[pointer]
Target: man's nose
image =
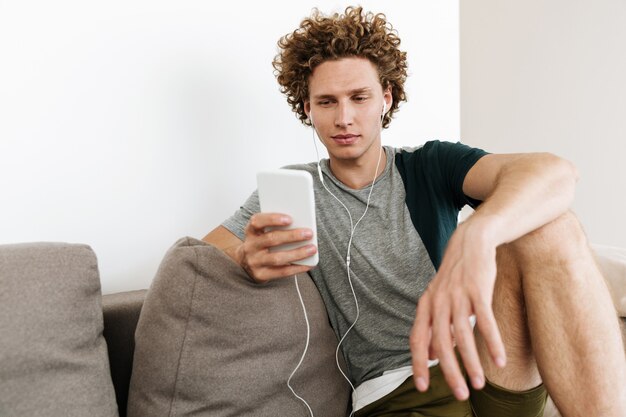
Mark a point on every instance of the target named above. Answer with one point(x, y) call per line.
point(344, 115)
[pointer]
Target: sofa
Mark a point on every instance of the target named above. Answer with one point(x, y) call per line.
point(173, 350)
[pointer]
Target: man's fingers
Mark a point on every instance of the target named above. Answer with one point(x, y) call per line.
point(262, 262)
point(466, 346)
point(442, 345)
point(260, 221)
point(431, 353)
point(281, 237)
point(260, 238)
point(264, 275)
point(419, 343)
point(488, 327)
point(282, 258)
point(265, 231)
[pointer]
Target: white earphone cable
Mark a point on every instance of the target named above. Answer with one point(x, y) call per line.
point(306, 346)
point(352, 230)
point(356, 302)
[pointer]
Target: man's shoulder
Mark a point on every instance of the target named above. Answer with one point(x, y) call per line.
point(437, 150)
point(309, 167)
point(411, 154)
point(431, 145)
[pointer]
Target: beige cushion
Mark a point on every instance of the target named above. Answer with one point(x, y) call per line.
point(53, 358)
point(210, 342)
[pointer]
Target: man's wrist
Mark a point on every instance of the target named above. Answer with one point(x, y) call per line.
point(235, 253)
point(238, 255)
point(487, 228)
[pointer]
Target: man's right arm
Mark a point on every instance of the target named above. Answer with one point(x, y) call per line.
point(253, 253)
point(224, 240)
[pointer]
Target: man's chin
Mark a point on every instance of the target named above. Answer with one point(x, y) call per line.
point(346, 154)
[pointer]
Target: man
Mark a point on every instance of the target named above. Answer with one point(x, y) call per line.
point(520, 264)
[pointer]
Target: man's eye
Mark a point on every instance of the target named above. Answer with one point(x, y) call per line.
point(360, 98)
point(324, 103)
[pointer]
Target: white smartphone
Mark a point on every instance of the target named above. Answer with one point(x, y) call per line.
point(290, 191)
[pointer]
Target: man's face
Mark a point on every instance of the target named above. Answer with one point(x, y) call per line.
point(346, 104)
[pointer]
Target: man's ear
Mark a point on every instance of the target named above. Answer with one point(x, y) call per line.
point(388, 97)
point(307, 110)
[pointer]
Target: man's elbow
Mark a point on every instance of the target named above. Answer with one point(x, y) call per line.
point(570, 171)
point(565, 173)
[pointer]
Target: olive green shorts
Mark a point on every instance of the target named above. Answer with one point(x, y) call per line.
point(438, 401)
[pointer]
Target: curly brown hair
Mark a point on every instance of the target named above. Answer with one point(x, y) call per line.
point(353, 34)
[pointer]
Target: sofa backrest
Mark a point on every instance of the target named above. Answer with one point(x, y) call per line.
point(121, 312)
point(53, 356)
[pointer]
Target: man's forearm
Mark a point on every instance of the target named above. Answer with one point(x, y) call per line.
point(226, 241)
point(530, 191)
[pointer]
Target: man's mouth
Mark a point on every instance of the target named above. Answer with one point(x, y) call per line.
point(346, 139)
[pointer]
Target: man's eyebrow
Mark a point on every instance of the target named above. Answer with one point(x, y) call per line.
point(361, 90)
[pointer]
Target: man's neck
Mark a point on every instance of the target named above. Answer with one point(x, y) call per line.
point(360, 173)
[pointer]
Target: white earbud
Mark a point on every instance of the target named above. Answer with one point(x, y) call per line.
point(319, 168)
point(382, 116)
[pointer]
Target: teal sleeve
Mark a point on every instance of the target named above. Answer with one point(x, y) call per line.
point(453, 161)
point(433, 178)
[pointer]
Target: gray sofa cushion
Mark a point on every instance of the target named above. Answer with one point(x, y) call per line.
point(53, 357)
point(210, 342)
point(121, 312)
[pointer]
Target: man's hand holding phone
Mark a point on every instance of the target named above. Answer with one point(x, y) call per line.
point(281, 241)
point(266, 231)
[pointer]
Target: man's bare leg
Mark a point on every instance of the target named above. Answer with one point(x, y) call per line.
point(557, 320)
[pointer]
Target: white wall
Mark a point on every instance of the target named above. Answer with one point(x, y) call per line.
point(551, 75)
point(126, 125)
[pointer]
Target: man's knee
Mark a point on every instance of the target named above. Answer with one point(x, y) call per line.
point(559, 241)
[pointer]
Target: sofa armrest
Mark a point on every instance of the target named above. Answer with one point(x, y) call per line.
point(121, 312)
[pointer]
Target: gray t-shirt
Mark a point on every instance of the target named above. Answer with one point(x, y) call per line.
point(390, 266)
